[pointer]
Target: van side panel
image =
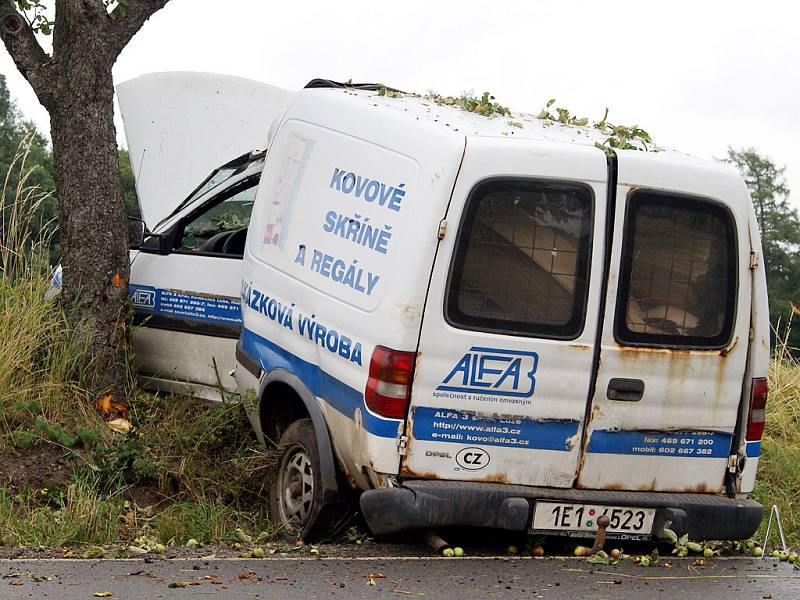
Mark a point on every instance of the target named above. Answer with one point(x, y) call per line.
point(758, 358)
point(338, 256)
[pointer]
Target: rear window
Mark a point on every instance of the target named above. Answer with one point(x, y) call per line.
point(678, 283)
point(521, 260)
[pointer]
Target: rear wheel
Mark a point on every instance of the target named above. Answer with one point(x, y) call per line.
point(295, 493)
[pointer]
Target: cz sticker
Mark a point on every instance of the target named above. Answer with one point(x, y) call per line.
point(472, 459)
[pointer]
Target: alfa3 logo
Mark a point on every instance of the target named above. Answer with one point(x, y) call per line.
point(143, 298)
point(493, 372)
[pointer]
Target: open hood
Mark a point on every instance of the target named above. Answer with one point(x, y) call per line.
point(181, 126)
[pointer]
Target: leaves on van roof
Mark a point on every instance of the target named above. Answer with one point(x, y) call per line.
point(485, 105)
point(621, 137)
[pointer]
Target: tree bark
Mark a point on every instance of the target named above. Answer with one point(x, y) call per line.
point(93, 221)
point(76, 87)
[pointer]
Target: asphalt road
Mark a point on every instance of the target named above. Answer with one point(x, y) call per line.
point(463, 579)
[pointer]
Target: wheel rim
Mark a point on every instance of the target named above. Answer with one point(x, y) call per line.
point(296, 489)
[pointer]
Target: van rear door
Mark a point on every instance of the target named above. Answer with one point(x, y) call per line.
point(675, 332)
point(505, 356)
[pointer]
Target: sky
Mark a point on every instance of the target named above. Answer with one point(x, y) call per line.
point(699, 76)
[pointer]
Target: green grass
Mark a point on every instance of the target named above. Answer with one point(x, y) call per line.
point(186, 470)
point(75, 515)
point(82, 515)
point(778, 480)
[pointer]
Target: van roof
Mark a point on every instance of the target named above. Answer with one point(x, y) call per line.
point(662, 167)
point(521, 126)
point(518, 125)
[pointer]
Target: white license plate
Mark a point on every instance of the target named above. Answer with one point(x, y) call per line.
point(561, 516)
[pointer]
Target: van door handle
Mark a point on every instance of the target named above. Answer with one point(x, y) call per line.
point(626, 390)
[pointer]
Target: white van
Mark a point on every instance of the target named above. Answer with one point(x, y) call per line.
point(473, 321)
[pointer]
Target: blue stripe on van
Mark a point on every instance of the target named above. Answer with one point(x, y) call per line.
point(447, 425)
point(681, 444)
point(149, 300)
point(752, 449)
point(334, 392)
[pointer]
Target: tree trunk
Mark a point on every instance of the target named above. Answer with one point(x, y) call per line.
point(93, 221)
point(76, 87)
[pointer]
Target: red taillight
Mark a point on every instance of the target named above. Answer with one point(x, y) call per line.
point(389, 383)
point(758, 408)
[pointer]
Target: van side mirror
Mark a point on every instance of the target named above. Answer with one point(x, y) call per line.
point(136, 232)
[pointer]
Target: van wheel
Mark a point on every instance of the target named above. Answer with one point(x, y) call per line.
point(294, 498)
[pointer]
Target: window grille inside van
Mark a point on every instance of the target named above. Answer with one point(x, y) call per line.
point(678, 284)
point(521, 259)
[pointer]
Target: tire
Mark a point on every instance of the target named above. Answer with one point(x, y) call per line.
point(295, 501)
point(294, 497)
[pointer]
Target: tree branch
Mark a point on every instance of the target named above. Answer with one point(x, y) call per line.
point(127, 21)
point(24, 48)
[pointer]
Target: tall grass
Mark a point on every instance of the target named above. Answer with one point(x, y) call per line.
point(40, 363)
point(78, 516)
point(778, 479)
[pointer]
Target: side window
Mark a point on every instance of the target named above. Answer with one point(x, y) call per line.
point(220, 227)
point(522, 258)
point(678, 283)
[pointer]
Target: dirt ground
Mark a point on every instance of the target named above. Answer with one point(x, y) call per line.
point(41, 466)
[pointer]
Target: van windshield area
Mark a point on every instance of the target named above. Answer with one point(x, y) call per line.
point(218, 176)
point(678, 283)
point(521, 260)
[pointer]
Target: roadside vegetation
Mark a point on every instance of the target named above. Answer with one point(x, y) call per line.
point(164, 471)
point(778, 481)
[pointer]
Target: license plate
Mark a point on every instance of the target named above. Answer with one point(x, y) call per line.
point(560, 516)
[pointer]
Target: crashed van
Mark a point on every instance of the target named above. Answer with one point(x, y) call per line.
point(468, 321)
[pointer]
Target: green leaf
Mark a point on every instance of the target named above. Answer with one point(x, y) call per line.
point(242, 536)
point(598, 560)
point(670, 535)
point(694, 546)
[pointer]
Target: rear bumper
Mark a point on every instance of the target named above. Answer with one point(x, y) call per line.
point(422, 504)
